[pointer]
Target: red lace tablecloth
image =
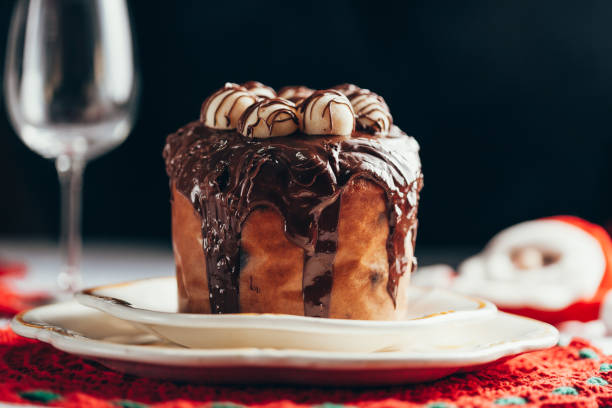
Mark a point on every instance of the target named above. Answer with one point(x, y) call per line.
point(576, 375)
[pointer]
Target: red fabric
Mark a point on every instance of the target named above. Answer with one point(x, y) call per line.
point(587, 309)
point(11, 302)
point(28, 365)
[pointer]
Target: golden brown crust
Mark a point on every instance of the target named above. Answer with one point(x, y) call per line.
point(361, 267)
point(271, 280)
point(188, 255)
point(272, 266)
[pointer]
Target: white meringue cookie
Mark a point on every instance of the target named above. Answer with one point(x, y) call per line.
point(259, 89)
point(296, 93)
point(347, 89)
point(269, 118)
point(372, 112)
point(327, 112)
point(223, 109)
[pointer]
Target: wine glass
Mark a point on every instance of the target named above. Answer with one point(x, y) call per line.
point(70, 85)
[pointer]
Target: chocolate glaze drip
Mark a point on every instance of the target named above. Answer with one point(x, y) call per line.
point(227, 176)
point(317, 276)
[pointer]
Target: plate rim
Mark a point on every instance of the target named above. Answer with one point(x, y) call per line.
point(75, 343)
point(124, 310)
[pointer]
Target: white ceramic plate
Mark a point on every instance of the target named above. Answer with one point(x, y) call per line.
point(439, 350)
point(152, 303)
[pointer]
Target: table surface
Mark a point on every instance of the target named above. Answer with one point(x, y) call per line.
point(102, 262)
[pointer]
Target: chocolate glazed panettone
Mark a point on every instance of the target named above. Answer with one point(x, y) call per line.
point(303, 206)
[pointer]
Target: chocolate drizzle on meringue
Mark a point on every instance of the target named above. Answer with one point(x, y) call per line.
point(230, 91)
point(307, 107)
point(372, 111)
point(259, 89)
point(282, 111)
point(226, 176)
point(347, 89)
point(295, 94)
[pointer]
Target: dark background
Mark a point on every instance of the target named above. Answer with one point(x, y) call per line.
point(511, 102)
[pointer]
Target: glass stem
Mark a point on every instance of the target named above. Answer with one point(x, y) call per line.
point(70, 171)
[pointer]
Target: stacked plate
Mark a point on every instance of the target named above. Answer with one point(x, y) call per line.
point(134, 328)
